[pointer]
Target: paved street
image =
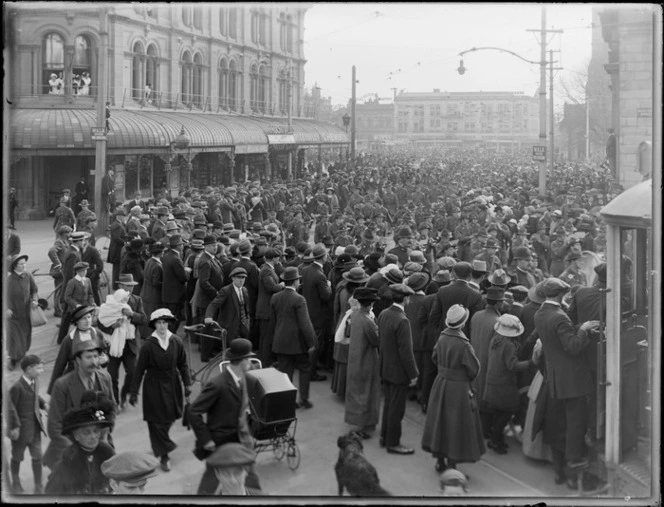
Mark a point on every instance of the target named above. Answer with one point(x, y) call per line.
point(510, 475)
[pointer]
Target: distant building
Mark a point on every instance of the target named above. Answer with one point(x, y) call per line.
point(374, 127)
point(498, 120)
point(573, 132)
point(628, 32)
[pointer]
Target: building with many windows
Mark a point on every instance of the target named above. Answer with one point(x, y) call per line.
point(230, 75)
point(500, 120)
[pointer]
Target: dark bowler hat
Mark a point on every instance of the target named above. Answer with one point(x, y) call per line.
point(404, 232)
point(239, 349)
point(134, 467)
point(81, 265)
point(209, 240)
point(419, 280)
point(126, 279)
point(161, 211)
point(272, 253)
point(462, 269)
point(156, 248)
point(495, 294)
point(522, 253)
point(84, 416)
point(231, 454)
point(365, 294)
point(290, 252)
point(290, 273)
point(238, 272)
point(175, 240)
point(318, 251)
point(552, 287)
point(244, 247)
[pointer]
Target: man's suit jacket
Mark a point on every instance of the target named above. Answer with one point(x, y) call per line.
point(156, 229)
point(397, 361)
point(268, 284)
point(139, 319)
point(227, 267)
point(152, 284)
point(66, 394)
point(27, 403)
point(210, 280)
point(585, 305)
point(225, 309)
point(567, 369)
point(290, 325)
point(251, 283)
point(225, 406)
point(118, 236)
point(416, 329)
point(72, 256)
point(174, 278)
point(78, 293)
point(92, 256)
point(458, 292)
point(318, 294)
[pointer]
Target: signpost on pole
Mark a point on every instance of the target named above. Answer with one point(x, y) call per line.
point(539, 153)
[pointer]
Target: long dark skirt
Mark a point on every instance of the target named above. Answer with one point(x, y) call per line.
point(159, 438)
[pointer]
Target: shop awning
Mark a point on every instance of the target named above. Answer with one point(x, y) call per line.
point(134, 131)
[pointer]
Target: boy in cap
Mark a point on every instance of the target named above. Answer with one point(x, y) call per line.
point(25, 430)
point(232, 462)
point(128, 472)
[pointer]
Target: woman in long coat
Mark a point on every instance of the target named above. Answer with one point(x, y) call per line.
point(163, 361)
point(352, 279)
point(452, 429)
point(21, 297)
point(363, 371)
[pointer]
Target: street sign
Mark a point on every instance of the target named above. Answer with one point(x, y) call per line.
point(98, 133)
point(539, 153)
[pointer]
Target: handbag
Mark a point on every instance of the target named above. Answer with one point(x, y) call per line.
point(37, 316)
point(185, 414)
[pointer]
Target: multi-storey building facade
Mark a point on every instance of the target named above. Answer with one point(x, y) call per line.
point(229, 74)
point(504, 120)
point(374, 127)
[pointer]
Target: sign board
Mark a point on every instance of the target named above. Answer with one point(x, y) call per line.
point(539, 153)
point(98, 133)
point(281, 138)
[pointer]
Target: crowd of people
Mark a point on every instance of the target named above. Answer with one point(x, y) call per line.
point(435, 277)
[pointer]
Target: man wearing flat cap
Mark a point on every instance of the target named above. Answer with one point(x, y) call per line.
point(568, 373)
point(457, 292)
point(128, 472)
point(225, 402)
point(230, 307)
point(398, 370)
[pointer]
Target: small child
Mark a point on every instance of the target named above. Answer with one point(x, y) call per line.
point(26, 428)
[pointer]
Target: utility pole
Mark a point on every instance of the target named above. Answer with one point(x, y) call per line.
point(352, 119)
point(290, 120)
point(552, 121)
point(100, 140)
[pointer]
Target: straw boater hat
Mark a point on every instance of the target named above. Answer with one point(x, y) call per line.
point(456, 317)
point(508, 325)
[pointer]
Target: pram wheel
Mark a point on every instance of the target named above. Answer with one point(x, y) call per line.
point(293, 456)
point(279, 449)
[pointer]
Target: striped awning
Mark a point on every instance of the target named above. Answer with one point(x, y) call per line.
point(134, 131)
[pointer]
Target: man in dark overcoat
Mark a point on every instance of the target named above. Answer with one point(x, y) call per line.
point(244, 247)
point(294, 337)
point(117, 242)
point(458, 292)
point(173, 281)
point(268, 284)
point(397, 367)
point(210, 281)
point(230, 307)
point(567, 371)
point(317, 290)
point(152, 283)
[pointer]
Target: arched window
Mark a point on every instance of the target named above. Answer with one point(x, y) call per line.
point(223, 83)
point(233, 79)
point(232, 22)
point(185, 89)
point(262, 89)
point(253, 97)
point(137, 71)
point(53, 64)
point(197, 88)
point(152, 72)
point(198, 17)
point(81, 66)
point(222, 20)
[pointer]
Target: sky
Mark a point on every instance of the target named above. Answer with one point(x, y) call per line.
point(415, 47)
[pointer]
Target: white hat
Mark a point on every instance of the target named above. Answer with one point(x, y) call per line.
point(384, 270)
point(456, 317)
point(508, 325)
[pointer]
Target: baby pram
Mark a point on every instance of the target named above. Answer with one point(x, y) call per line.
point(272, 404)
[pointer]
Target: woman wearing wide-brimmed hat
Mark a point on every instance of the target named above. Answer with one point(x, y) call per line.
point(21, 297)
point(452, 431)
point(163, 361)
point(344, 302)
point(79, 470)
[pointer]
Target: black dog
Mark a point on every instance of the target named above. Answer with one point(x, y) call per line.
point(353, 470)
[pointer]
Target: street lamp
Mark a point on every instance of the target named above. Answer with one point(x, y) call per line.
point(180, 143)
point(346, 120)
point(543, 63)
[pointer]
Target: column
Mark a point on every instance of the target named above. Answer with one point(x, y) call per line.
point(268, 167)
point(231, 168)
